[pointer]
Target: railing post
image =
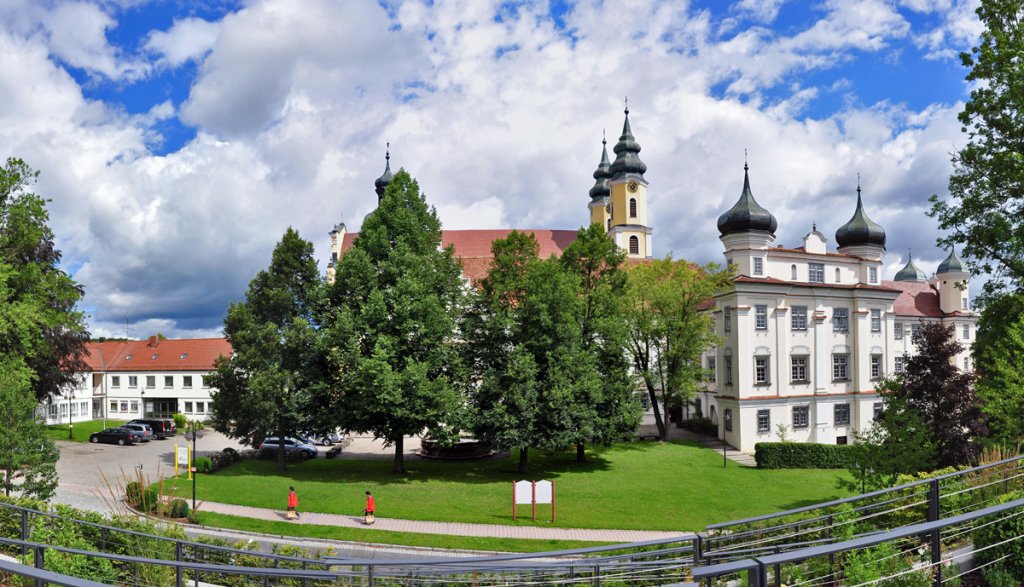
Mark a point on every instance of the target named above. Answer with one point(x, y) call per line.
point(934, 512)
point(103, 539)
point(758, 577)
point(597, 575)
point(698, 549)
point(934, 508)
point(831, 557)
point(40, 562)
point(177, 568)
point(369, 575)
point(24, 531)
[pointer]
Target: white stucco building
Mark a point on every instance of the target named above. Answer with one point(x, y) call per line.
point(808, 332)
point(141, 378)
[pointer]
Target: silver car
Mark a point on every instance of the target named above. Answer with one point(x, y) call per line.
point(145, 431)
point(291, 446)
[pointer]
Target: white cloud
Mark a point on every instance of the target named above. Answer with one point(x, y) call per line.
point(187, 39)
point(77, 35)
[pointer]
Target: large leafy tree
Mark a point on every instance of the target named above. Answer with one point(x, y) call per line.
point(606, 406)
point(986, 203)
point(38, 320)
point(997, 359)
point(670, 327)
point(267, 384)
point(27, 456)
point(391, 321)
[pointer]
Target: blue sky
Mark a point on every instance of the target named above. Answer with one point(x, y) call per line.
point(177, 140)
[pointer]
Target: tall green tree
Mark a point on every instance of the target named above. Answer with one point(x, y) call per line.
point(38, 319)
point(28, 457)
point(391, 322)
point(606, 407)
point(997, 351)
point(986, 203)
point(275, 370)
point(670, 328)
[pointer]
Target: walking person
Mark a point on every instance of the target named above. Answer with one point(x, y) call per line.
point(371, 508)
point(293, 504)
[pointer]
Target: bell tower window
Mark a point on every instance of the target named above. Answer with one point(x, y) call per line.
point(634, 245)
point(632, 207)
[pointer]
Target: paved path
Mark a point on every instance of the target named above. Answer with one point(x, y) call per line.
point(450, 528)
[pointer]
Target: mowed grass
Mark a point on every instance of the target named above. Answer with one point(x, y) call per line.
point(674, 486)
point(383, 537)
point(81, 430)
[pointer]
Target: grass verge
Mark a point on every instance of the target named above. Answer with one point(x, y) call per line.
point(81, 430)
point(384, 537)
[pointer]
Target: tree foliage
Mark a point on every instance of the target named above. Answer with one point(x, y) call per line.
point(986, 203)
point(28, 457)
point(670, 328)
point(38, 320)
point(267, 384)
point(390, 325)
point(997, 352)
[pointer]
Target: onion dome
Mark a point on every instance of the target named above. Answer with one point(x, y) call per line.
point(382, 182)
point(860, 230)
point(627, 155)
point(601, 175)
point(746, 214)
point(911, 272)
point(952, 263)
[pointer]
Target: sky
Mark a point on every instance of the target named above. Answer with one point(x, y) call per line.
point(177, 140)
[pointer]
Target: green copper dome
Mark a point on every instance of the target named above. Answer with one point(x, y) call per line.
point(601, 175)
point(746, 214)
point(911, 272)
point(382, 182)
point(860, 230)
point(952, 263)
point(627, 155)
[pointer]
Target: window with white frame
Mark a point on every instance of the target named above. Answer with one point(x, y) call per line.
point(900, 364)
point(63, 410)
point(837, 275)
point(873, 274)
point(764, 420)
point(798, 318)
point(915, 330)
point(168, 380)
point(200, 408)
point(963, 303)
point(876, 320)
point(758, 266)
point(876, 411)
point(728, 370)
point(150, 381)
point(203, 382)
point(115, 381)
point(897, 330)
point(840, 319)
point(840, 367)
point(967, 331)
point(135, 407)
point(112, 408)
point(727, 319)
point(801, 417)
point(761, 374)
point(876, 366)
point(712, 371)
point(792, 272)
point(816, 272)
point(967, 363)
point(188, 407)
point(186, 381)
point(74, 409)
point(133, 381)
point(52, 411)
point(841, 414)
point(798, 369)
point(123, 407)
point(727, 418)
point(761, 317)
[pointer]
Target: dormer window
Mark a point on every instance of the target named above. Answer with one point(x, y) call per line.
point(127, 357)
point(153, 358)
point(183, 355)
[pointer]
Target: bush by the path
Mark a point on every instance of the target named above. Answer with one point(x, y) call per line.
point(797, 455)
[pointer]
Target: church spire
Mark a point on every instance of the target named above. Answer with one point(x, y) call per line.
point(627, 150)
point(382, 182)
point(602, 174)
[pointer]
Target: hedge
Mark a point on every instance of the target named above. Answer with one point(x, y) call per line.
point(797, 455)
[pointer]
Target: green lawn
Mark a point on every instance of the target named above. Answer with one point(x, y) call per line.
point(383, 537)
point(81, 430)
point(650, 486)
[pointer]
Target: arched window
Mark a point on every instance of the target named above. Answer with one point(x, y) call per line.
point(609, 224)
point(793, 271)
point(632, 207)
point(837, 275)
point(634, 245)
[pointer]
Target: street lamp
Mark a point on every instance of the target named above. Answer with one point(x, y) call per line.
point(71, 430)
point(194, 429)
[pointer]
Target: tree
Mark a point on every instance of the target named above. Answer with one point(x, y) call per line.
point(942, 395)
point(997, 351)
point(275, 369)
point(987, 185)
point(670, 327)
point(391, 318)
point(28, 458)
point(607, 407)
point(38, 320)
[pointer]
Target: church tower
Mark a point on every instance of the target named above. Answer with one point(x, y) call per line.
point(628, 198)
point(339, 231)
point(600, 206)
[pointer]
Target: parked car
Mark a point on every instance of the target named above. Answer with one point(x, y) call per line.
point(291, 446)
point(329, 439)
point(119, 435)
point(162, 427)
point(145, 431)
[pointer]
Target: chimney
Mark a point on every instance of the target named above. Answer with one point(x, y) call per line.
point(153, 341)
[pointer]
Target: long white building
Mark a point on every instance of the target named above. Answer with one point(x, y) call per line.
point(808, 332)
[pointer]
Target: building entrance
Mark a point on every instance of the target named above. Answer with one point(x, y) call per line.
point(160, 407)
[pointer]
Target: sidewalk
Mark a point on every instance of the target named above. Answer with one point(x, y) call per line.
point(742, 458)
point(450, 528)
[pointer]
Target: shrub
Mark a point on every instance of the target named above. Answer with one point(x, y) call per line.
point(133, 493)
point(795, 455)
point(204, 464)
point(179, 420)
point(992, 531)
point(231, 455)
point(178, 508)
point(150, 499)
point(701, 425)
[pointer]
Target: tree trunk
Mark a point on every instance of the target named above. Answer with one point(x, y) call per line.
point(662, 429)
point(400, 455)
point(523, 455)
point(581, 453)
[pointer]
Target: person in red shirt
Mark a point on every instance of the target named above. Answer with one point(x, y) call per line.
point(371, 508)
point(293, 503)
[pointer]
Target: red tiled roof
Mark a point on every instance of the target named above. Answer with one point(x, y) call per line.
point(473, 247)
point(166, 355)
point(916, 298)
